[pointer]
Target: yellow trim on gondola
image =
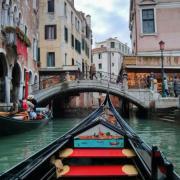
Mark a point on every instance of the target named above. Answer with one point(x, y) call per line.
point(65, 153)
point(130, 170)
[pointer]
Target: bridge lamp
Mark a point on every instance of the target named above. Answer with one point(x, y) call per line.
point(162, 45)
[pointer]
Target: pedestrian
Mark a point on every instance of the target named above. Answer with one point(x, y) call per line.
point(148, 81)
point(155, 85)
point(94, 71)
point(90, 72)
point(175, 86)
point(152, 81)
point(25, 106)
point(32, 114)
point(31, 99)
point(166, 86)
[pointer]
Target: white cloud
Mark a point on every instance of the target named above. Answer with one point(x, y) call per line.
point(109, 18)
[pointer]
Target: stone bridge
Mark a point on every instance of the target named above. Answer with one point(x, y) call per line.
point(141, 98)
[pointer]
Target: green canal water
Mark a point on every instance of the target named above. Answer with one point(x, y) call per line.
point(16, 148)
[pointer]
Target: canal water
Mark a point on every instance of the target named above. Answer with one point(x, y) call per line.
point(16, 148)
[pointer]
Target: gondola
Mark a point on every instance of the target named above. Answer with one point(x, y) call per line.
point(102, 146)
point(20, 122)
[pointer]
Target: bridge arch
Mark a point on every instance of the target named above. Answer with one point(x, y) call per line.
point(74, 87)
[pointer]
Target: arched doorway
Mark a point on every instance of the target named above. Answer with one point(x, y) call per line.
point(30, 81)
point(36, 84)
point(3, 73)
point(16, 78)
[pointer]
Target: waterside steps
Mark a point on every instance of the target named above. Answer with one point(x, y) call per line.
point(93, 163)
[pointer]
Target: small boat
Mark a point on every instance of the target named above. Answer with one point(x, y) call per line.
point(79, 155)
point(19, 122)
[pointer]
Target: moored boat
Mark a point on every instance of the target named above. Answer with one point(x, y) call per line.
point(20, 122)
point(96, 149)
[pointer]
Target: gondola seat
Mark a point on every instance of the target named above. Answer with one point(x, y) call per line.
point(96, 153)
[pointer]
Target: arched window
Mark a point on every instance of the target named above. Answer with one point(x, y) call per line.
point(2, 19)
point(15, 16)
point(19, 19)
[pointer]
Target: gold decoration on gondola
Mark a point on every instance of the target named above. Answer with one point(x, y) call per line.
point(130, 170)
point(65, 153)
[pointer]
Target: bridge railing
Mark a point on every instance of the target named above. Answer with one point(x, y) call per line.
point(57, 79)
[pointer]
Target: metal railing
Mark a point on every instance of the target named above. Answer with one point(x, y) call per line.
point(57, 79)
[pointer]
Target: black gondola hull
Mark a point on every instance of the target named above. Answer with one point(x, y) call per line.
point(9, 126)
point(148, 162)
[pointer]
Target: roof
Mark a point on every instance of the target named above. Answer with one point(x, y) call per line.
point(101, 49)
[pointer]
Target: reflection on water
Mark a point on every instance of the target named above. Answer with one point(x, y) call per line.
point(163, 134)
point(14, 149)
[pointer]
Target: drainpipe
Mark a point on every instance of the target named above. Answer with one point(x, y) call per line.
point(135, 27)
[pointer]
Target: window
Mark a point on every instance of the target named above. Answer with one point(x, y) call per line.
point(65, 59)
point(112, 64)
point(34, 4)
point(65, 9)
point(72, 40)
point(50, 5)
point(72, 62)
point(78, 25)
point(50, 59)
point(148, 21)
point(120, 46)
point(76, 22)
point(83, 43)
point(99, 55)
point(78, 46)
point(66, 34)
point(71, 17)
point(35, 49)
point(100, 66)
point(50, 31)
point(112, 54)
point(112, 44)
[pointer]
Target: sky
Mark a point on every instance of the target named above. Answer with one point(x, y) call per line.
point(109, 18)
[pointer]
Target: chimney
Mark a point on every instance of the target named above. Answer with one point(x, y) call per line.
point(88, 19)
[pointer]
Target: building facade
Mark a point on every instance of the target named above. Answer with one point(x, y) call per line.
point(65, 44)
point(152, 21)
point(108, 56)
point(18, 48)
point(65, 38)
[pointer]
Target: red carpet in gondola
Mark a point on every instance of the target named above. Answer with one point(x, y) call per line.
point(108, 170)
point(96, 153)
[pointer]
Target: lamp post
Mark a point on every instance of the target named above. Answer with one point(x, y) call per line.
point(162, 45)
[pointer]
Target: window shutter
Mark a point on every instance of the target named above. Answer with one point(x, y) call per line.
point(46, 32)
point(55, 31)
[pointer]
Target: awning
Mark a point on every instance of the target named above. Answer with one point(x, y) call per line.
point(168, 69)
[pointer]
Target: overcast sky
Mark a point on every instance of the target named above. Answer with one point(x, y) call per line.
point(109, 18)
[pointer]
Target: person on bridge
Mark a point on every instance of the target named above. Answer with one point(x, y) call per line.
point(166, 86)
point(94, 71)
point(175, 86)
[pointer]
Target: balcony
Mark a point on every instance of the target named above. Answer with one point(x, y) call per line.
point(70, 68)
point(9, 33)
point(12, 32)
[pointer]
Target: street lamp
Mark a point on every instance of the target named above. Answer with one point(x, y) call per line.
point(162, 45)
